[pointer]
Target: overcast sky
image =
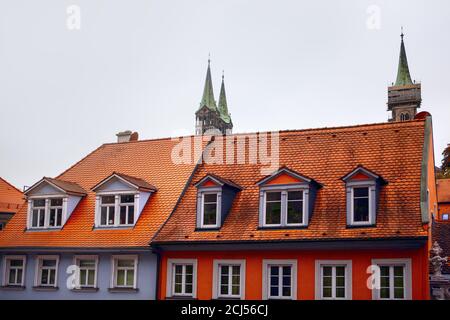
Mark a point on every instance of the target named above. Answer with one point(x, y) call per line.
point(140, 65)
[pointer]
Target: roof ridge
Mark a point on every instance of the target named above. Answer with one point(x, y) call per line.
point(11, 185)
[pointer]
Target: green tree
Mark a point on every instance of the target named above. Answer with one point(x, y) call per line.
point(445, 166)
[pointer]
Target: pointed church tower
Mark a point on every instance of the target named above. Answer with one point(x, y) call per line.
point(209, 117)
point(404, 97)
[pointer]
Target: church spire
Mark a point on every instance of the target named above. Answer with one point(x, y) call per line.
point(223, 107)
point(208, 93)
point(403, 75)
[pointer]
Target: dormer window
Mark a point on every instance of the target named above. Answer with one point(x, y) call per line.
point(210, 209)
point(214, 199)
point(362, 190)
point(120, 200)
point(286, 199)
point(51, 202)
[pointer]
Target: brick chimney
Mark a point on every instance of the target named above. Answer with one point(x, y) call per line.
point(127, 136)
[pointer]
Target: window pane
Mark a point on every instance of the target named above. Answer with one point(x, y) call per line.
point(384, 270)
point(188, 288)
point(87, 263)
point(41, 218)
point(340, 271)
point(52, 276)
point(59, 217)
point(399, 293)
point(326, 281)
point(111, 216)
point(340, 281)
point(130, 214)
point(12, 277)
point(125, 263)
point(398, 271)
point(16, 263)
point(120, 277)
point(34, 222)
point(326, 292)
point(130, 278)
point(326, 271)
point(209, 214)
point(211, 197)
point(340, 292)
point(189, 269)
point(56, 202)
point(129, 198)
point(274, 291)
point(295, 195)
point(274, 271)
point(48, 263)
point(123, 215)
point(235, 290)
point(39, 203)
point(273, 212)
point(103, 216)
point(178, 288)
point(384, 293)
point(83, 273)
point(273, 196)
point(295, 212)
point(178, 269)
point(286, 291)
point(108, 199)
point(361, 192)
point(361, 209)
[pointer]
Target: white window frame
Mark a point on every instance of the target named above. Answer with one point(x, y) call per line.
point(170, 277)
point(76, 261)
point(267, 263)
point(47, 208)
point(352, 205)
point(217, 278)
point(201, 207)
point(407, 264)
point(114, 262)
point(284, 205)
point(116, 205)
point(50, 207)
point(348, 278)
point(7, 268)
point(38, 273)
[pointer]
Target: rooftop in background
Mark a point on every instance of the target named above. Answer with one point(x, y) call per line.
point(443, 190)
point(11, 198)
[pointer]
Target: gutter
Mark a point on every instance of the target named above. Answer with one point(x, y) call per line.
point(424, 201)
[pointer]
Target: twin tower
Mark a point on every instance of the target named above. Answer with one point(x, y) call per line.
point(404, 98)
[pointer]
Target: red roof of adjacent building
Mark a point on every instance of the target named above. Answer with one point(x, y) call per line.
point(140, 161)
point(392, 150)
point(11, 198)
point(443, 190)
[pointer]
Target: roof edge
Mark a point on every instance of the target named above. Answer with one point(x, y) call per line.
point(424, 209)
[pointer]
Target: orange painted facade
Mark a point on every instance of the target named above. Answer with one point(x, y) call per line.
point(361, 259)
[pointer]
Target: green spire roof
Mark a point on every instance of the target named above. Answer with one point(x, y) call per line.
point(403, 76)
point(208, 94)
point(223, 108)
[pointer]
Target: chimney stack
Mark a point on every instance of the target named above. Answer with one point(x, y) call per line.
point(124, 136)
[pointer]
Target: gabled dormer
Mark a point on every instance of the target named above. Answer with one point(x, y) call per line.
point(51, 202)
point(120, 200)
point(362, 193)
point(215, 197)
point(286, 199)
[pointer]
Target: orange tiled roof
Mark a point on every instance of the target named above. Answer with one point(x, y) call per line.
point(392, 150)
point(443, 190)
point(11, 198)
point(149, 160)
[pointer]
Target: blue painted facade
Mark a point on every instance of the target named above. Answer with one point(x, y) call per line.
point(146, 277)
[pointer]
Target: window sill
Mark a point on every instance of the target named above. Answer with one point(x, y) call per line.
point(207, 229)
point(123, 290)
point(282, 227)
point(44, 288)
point(180, 298)
point(13, 288)
point(113, 227)
point(43, 229)
point(86, 289)
point(356, 226)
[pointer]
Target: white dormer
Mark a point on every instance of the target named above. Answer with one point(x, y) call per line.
point(120, 200)
point(51, 202)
